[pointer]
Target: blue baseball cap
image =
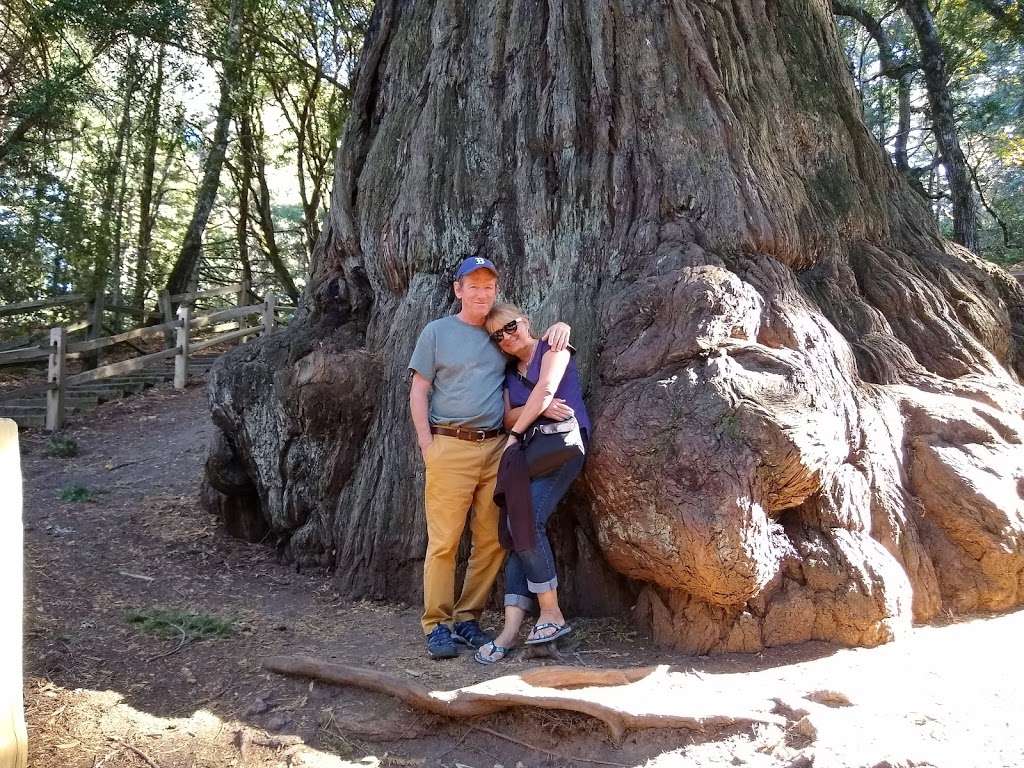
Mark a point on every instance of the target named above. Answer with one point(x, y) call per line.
point(472, 264)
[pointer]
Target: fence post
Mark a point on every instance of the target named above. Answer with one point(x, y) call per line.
point(268, 314)
point(168, 315)
point(55, 380)
point(181, 359)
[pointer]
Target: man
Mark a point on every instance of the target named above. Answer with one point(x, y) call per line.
point(457, 407)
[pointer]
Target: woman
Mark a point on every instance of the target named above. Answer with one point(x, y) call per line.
point(539, 380)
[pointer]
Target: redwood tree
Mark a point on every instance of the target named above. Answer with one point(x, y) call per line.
point(807, 404)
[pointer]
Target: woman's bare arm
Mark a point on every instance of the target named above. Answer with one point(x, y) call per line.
point(552, 369)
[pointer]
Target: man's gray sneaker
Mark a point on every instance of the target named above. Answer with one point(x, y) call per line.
point(469, 632)
point(440, 644)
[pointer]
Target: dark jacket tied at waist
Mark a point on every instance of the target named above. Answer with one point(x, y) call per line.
point(512, 495)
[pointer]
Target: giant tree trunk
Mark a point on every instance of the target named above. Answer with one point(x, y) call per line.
point(807, 409)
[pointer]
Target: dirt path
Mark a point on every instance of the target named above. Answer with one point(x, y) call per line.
point(102, 690)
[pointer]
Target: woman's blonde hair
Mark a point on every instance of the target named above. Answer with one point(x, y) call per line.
point(503, 313)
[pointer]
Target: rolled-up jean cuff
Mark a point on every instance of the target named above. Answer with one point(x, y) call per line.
point(544, 586)
point(519, 601)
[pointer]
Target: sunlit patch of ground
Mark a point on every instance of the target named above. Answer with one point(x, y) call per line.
point(96, 728)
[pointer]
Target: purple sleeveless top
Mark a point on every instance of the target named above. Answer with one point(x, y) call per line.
point(569, 389)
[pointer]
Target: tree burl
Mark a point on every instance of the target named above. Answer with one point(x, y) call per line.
point(807, 403)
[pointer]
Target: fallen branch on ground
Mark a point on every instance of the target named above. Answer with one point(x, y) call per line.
point(185, 640)
point(533, 688)
point(112, 467)
point(140, 753)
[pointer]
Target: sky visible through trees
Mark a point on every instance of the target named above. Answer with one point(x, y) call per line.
point(147, 144)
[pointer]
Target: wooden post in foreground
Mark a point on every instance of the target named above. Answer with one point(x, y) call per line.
point(13, 739)
point(268, 314)
point(181, 359)
point(55, 380)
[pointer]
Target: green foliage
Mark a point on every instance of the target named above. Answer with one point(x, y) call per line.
point(168, 622)
point(985, 65)
point(71, 181)
point(63, 447)
point(76, 493)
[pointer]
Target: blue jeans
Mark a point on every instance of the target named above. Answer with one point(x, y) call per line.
point(533, 570)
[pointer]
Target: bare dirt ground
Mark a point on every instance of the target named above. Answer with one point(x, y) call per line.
point(101, 690)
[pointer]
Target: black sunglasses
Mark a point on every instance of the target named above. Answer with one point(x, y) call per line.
point(509, 328)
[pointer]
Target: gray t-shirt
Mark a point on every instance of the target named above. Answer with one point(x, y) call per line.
point(466, 370)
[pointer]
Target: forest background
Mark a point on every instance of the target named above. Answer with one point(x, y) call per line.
point(158, 144)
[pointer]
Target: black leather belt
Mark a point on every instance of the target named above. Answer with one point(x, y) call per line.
point(464, 433)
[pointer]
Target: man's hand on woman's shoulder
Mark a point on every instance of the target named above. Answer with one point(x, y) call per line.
point(557, 336)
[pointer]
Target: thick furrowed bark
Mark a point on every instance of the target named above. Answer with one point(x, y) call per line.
point(769, 325)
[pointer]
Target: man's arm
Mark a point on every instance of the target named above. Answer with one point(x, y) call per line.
point(419, 407)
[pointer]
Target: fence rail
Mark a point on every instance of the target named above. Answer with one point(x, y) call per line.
point(226, 290)
point(108, 341)
point(31, 306)
point(226, 324)
point(165, 300)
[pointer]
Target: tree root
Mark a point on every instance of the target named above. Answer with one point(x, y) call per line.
point(534, 688)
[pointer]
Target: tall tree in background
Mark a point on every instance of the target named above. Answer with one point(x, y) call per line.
point(107, 245)
point(147, 213)
point(933, 63)
point(309, 53)
point(253, 148)
point(191, 248)
point(899, 70)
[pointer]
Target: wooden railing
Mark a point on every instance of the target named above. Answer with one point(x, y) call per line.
point(177, 330)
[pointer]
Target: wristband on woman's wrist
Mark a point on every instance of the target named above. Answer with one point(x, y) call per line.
point(516, 435)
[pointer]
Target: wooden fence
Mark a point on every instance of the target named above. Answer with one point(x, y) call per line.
point(13, 739)
point(177, 330)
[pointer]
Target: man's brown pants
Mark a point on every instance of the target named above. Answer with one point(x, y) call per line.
point(460, 475)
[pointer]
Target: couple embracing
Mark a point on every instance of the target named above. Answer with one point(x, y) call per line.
point(480, 381)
